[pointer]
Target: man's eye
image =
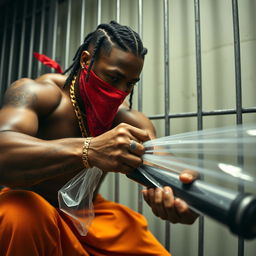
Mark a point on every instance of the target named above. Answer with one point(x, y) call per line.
point(113, 78)
point(132, 84)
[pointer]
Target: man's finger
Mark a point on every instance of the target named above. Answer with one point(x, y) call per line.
point(136, 148)
point(139, 134)
point(168, 197)
point(187, 215)
point(181, 206)
point(131, 160)
point(125, 169)
point(188, 176)
point(145, 195)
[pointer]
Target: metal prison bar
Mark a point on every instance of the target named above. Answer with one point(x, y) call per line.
point(19, 30)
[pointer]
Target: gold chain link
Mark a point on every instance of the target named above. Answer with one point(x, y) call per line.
point(77, 109)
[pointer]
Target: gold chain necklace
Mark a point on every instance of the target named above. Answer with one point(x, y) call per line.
point(77, 109)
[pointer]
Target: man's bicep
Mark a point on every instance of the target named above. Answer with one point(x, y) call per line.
point(18, 119)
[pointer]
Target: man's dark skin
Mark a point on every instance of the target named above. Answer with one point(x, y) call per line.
point(41, 144)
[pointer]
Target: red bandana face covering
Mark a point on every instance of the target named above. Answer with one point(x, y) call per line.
point(101, 101)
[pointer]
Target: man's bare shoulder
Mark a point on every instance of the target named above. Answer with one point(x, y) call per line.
point(42, 95)
point(52, 78)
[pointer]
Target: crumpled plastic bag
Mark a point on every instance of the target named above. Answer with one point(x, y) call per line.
point(75, 198)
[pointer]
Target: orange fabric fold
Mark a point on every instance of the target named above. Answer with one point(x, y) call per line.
point(29, 225)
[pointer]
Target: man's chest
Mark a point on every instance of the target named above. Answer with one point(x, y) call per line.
point(61, 123)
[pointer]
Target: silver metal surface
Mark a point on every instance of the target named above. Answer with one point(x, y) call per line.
point(239, 117)
point(41, 36)
point(22, 40)
point(118, 11)
point(55, 27)
point(199, 107)
point(67, 44)
point(166, 94)
point(3, 52)
point(99, 12)
point(117, 175)
point(204, 113)
point(166, 67)
point(32, 39)
point(140, 32)
point(133, 145)
point(82, 22)
point(140, 93)
point(11, 53)
point(237, 61)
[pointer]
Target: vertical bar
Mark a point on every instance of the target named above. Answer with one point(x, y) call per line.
point(201, 236)
point(118, 11)
point(41, 39)
point(31, 44)
point(239, 119)
point(166, 67)
point(166, 92)
point(3, 51)
point(140, 31)
point(237, 61)
point(52, 25)
point(198, 65)
point(11, 54)
point(22, 41)
point(99, 12)
point(140, 91)
point(54, 29)
point(82, 21)
point(199, 107)
point(67, 44)
point(117, 175)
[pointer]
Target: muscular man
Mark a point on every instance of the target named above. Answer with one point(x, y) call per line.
point(45, 129)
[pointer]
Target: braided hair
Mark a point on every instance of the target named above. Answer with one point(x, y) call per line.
point(105, 37)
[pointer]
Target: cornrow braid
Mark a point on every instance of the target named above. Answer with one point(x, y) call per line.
point(112, 31)
point(75, 66)
point(98, 44)
point(104, 38)
point(135, 40)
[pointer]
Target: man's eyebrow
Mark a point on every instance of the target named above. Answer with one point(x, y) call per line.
point(119, 73)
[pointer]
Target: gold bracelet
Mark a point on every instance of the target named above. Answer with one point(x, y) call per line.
point(85, 152)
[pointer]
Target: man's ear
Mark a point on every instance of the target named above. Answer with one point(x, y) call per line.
point(85, 59)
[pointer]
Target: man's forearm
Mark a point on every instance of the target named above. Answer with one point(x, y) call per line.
point(26, 160)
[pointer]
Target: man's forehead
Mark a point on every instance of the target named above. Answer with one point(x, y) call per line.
point(119, 57)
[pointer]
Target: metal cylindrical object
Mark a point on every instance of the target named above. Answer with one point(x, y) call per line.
point(232, 208)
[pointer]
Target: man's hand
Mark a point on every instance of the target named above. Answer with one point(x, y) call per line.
point(167, 207)
point(112, 151)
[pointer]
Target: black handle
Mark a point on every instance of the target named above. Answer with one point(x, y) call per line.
point(234, 209)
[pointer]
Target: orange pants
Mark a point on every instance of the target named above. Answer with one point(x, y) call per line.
point(30, 226)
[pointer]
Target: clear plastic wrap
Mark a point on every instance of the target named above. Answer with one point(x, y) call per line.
point(75, 198)
point(225, 155)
